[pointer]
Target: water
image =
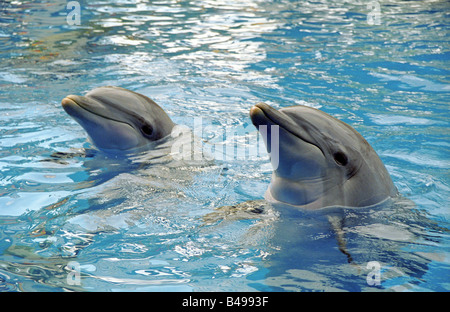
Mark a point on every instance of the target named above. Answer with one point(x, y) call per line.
point(86, 222)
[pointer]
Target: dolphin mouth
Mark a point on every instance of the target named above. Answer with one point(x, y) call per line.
point(263, 114)
point(76, 105)
point(93, 117)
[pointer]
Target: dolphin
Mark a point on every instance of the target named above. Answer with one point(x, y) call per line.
point(322, 161)
point(117, 119)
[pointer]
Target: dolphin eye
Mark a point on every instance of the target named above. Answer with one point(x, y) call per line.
point(340, 158)
point(147, 130)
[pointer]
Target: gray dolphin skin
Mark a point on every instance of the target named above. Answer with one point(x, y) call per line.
point(323, 162)
point(118, 119)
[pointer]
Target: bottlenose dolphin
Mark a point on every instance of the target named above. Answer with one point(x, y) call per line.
point(118, 119)
point(322, 161)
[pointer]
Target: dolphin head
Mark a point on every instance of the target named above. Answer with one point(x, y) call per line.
point(320, 160)
point(117, 119)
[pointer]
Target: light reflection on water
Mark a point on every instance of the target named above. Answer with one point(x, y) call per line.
point(133, 226)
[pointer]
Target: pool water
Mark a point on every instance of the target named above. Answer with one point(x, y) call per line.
point(72, 218)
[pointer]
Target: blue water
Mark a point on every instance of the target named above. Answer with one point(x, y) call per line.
point(92, 223)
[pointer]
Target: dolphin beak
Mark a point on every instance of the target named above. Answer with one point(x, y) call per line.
point(68, 101)
point(71, 106)
point(81, 106)
point(257, 116)
point(261, 113)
